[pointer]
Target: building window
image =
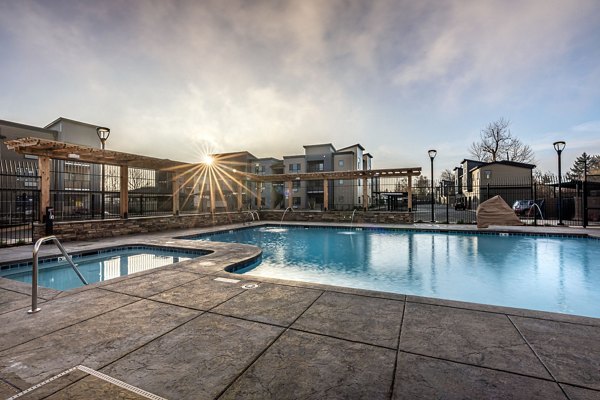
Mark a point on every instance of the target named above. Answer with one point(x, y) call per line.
point(296, 201)
point(295, 186)
point(487, 173)
point(294, 168)
point(341, 181)
point(341, 163)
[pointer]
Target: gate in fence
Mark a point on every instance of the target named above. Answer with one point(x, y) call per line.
point(19, 201)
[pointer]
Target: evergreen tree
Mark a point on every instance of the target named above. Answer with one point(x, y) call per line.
point(577, 170)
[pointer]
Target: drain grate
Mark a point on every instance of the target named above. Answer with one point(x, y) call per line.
point(96, 374)
point(120, 384)
point(250, 286)
point(39, 385)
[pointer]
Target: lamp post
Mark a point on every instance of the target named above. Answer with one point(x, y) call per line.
point(432, 153)
point(559, 147)
point(2, 137)
point(103, 134)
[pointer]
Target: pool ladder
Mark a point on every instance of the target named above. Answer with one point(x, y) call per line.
point(34, 274)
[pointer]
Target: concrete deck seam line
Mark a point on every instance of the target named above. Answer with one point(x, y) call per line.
point(153, 339)
point(491, 368)
point(397, 351)
point(344, 339)
point(142, 297)
point(536, 354)
point(508, 314)
point(73, 324)
point(266, 348)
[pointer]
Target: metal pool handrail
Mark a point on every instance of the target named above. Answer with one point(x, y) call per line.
point(34, 274)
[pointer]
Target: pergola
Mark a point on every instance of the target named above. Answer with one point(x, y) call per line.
point(46, 149)
point(49, 149)
point(333, 175)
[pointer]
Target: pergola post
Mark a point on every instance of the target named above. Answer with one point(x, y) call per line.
point(124, 192)
point(325, 194)
point(410, 193)
point(289, 191)
point(44, 167)
point(212, 195)
point(365, 194)
point(176, 186)
point(239, 196)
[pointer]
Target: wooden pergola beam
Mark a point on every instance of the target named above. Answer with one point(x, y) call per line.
point(332, 175)
point(74, 152)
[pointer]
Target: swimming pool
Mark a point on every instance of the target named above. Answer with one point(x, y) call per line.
point(559, 274)
point(98, 265)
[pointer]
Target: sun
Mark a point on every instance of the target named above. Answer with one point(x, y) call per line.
point(207, 160)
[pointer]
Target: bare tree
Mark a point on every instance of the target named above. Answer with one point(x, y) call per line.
point(497, 144)
point(139, 178)
point(447, 175)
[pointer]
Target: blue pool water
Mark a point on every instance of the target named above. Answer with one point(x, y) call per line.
point(556, 274)
point(98, 266)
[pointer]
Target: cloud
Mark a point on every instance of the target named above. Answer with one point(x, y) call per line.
point(488, 51)
point(590, 126)
point(174, 78)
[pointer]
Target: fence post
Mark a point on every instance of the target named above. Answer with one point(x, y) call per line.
point(585, 199)
point(447, 193)
point(534, 200)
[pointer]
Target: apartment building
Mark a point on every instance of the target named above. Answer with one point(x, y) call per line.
point(476, 181)
point(343, 195)
point(77, 178)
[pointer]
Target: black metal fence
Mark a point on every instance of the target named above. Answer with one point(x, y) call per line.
point(92, 191)
point(78, 191)
point(19, 199)
point(83, 191)
point(536, 202)
point(150, 192)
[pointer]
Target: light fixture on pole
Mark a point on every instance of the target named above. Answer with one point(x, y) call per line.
point(2, 137)
point(103, 134)
point(559, 147)
point(432, 153)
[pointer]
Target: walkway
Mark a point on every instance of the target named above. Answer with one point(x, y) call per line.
point(185, 333)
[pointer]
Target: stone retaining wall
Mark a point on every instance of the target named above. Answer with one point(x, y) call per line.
point(87, 230)
point(369, 217)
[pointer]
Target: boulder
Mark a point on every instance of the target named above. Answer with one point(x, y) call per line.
point(495, 211)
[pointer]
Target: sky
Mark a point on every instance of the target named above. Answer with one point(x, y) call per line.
point(174, 79)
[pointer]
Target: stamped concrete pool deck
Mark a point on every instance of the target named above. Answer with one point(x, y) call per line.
point(184, 332)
